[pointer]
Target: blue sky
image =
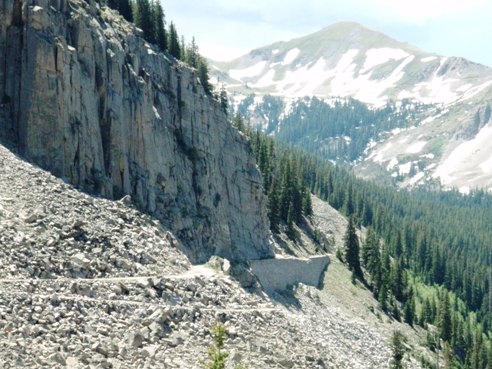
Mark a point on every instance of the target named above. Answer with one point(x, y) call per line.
point(225, 29)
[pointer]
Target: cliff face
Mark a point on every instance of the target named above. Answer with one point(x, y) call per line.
point(86, 98)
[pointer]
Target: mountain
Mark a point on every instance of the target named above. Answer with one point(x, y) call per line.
point(443, 141)
point(348, 59)
point(119, 170)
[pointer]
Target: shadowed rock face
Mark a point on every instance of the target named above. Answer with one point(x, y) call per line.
point(90, 101)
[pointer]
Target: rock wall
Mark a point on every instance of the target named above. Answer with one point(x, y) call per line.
point(92, 102)
point(280, 273)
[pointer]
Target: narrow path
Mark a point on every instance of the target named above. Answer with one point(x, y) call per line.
point(194, 271)
point(99, 301)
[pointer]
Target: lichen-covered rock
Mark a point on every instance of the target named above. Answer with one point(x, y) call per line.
point(92, 102)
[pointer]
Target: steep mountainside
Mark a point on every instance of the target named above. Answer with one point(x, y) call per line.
point(90, 282)
point(84, 96)
point(443, 139)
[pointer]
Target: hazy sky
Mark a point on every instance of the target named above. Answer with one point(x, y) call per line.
point(225, 29)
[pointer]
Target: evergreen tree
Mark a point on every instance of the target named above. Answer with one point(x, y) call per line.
point(348, 206)
point(144, 19)
point(399, 280)
point(352, 249)
point(192, 55)
point(113, 4)
point(238, 122)
point(160, 27)
point(397, 350)
point(409, 309)
point(307, 206)
point(224, 100)
point(371, 257)
point(126, 10)
point(173, 41)
point(290, 230)
point(124, 7)
point(203, 75)
point(273, 207)
point(444, 318)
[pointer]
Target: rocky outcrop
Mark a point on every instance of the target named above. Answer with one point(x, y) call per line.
point(89, 100)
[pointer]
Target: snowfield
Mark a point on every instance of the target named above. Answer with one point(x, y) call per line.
point(382, 55)
point(471, 159)
point(249, 72)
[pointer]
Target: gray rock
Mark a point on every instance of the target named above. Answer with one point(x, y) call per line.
point(134, 339)
point(100, 107)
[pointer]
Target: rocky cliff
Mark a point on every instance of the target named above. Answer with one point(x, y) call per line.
point(85, 97)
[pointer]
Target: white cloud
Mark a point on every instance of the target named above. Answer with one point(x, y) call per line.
point(424, 10)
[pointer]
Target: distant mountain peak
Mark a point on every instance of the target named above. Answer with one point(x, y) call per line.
point(348, 59)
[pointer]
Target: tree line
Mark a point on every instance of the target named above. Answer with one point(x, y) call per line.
point(149, 16)
point(340, 130)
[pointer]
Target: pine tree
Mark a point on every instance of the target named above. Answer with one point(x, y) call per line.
point(224, 100)
point(409, 309)
point(444, 318)
point(290, 231)
point(307, 206)
point(203, 75)
point(238, 122)
point(348, 206)
point(352, 249)
point(449, 362)
point(273, 206)
point(124, 7)
point(173, 42)
point(399, 280)
point(216, 356)
point(372, 259)
point(160, 27)
point(113, 4)
point(144, 19)
point(397, 350)
point(192, 54)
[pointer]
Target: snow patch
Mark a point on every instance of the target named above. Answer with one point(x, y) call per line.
point(405, 168)
point(428, 59)
point(416, 147)
point(266, 80)
point(416, 178)
point(291, 56)
point(156, 113)
point(393, 163)
point(252, 71)
point(486, 166)
point(428, 156)
point(471, 159)
point(379, 158)
point(303, 81)
point(381, 55)
point(275, 52)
